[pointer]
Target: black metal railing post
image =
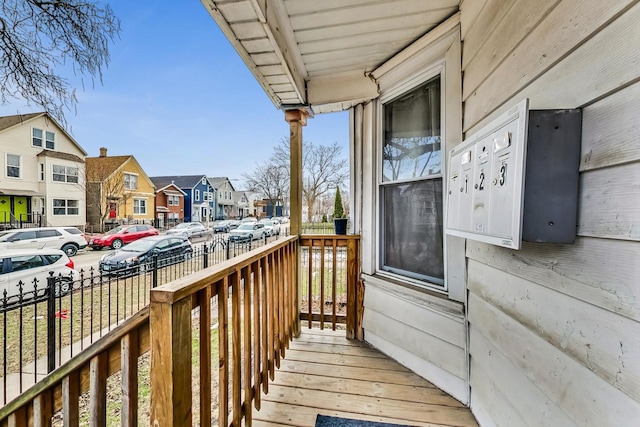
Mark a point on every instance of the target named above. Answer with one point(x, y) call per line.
point(154, 271)
point(51, 322)
point(228, 248)
point(205, 258)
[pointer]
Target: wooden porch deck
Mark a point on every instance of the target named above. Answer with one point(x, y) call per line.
point(324, 373)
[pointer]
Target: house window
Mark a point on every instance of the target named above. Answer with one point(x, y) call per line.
point(41, 171)
point(66, 207)
point(65, 174)
point(13, 166)
point(50, 142)
point(197, 196)
point(410, 188)
point(36, 137)
point(130, 181)
point(139, 206)
point(174, 200)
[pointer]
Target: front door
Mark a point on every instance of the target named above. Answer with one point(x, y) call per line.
point(20, 208)
point(5, 209)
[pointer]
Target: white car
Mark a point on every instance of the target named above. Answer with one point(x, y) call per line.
point(272, 227)
point(32, 267)
point(247, 232)
point(67, 239)
point(189, 230)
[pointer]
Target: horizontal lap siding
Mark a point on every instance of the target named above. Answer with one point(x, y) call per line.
point(556, 328)
point(413, 334)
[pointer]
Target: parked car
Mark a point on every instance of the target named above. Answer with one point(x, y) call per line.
point(32, 267)
point(248, 219)
point(247, 232)
point(67, 239)
point(190, 230)
point(272, 227)
point(138, 256)
point(121, 235)
point(225, 226)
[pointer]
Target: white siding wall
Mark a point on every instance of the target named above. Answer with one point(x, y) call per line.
point(554, 329)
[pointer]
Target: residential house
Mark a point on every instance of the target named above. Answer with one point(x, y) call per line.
point(169, 205)
point(41, 181)
point(241, 206)
point(545, 334)
point(199, 195)
point(522, 332)
point(118, 190)
point(225, 204)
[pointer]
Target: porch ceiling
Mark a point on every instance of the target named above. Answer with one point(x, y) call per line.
point(320, 53)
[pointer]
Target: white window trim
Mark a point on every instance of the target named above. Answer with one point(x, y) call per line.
point(440, 57)
point(66, 207)
point(66, 175)
point(146, 205)
point(196, 196)
point(124, 181)
point(6, 165)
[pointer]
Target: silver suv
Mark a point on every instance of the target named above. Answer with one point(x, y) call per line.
point(68, 239)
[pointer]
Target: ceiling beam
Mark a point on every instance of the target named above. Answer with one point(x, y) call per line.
point(341, 88)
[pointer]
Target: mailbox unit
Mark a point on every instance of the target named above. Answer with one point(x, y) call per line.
point(517, 179)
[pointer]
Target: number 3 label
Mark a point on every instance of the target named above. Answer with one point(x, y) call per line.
point(503, 174)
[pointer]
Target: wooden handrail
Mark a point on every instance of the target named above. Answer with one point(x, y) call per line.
point(118, 350)
point(258, 314)
point(257, 318)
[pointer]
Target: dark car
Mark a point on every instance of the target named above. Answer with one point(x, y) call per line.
point(139, 255)
point(121, 235)
point(225, 226)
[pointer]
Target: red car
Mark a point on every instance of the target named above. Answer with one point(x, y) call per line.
point(121, 235)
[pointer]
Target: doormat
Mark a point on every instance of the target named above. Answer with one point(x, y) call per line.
point(326, 421)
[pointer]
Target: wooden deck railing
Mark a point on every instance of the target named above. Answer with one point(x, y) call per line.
point(240, 314)
point(331, 290)
point(117, 351)
point(259, 289)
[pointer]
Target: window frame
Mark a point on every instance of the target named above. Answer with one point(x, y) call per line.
point(196, 196)
point(127, 183)
point(66, 175)
point(7, 166)
point(66, 207)
point(142, 202)
point(33, 137)
point(393, 78)
point(48, 140)
point(387, 97)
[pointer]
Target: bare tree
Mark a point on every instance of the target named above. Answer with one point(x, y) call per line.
point(269, 179)
point(104, 191)
point(323, 169)
point(38, 36)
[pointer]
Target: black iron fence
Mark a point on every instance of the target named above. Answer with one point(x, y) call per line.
point(46, 324)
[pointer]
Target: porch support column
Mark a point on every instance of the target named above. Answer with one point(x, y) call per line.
point(296, 119)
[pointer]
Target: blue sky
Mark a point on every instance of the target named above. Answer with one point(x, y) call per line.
point(177, 96)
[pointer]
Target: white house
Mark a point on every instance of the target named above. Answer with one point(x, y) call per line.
point(42, 178)
point(547, 334)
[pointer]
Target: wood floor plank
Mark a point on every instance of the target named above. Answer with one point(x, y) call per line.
point(365, 405)
point(371, 388)
point(330, 339)
point(345, 360)
point(337, 349)
point(304, 416)
point(324, 332)
point(353, 372)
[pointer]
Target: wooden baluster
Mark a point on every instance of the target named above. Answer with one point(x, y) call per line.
point(276, 309)
point(295, 266)
point(281, 304)
point(18, 418)
point(352, 278)
point(310, 285)
point(204, 301)
point(223, 351)
point(334, 293)
point(360, 295)
point(70, 400)
point(268, 321)
point(236, 377)
point(246, 303)
point(129, 368)
point(98, 390)
point(43, 409)
point(321, 283)
point(257, 332)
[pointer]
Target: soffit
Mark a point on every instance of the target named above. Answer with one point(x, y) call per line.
point(310, 52)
